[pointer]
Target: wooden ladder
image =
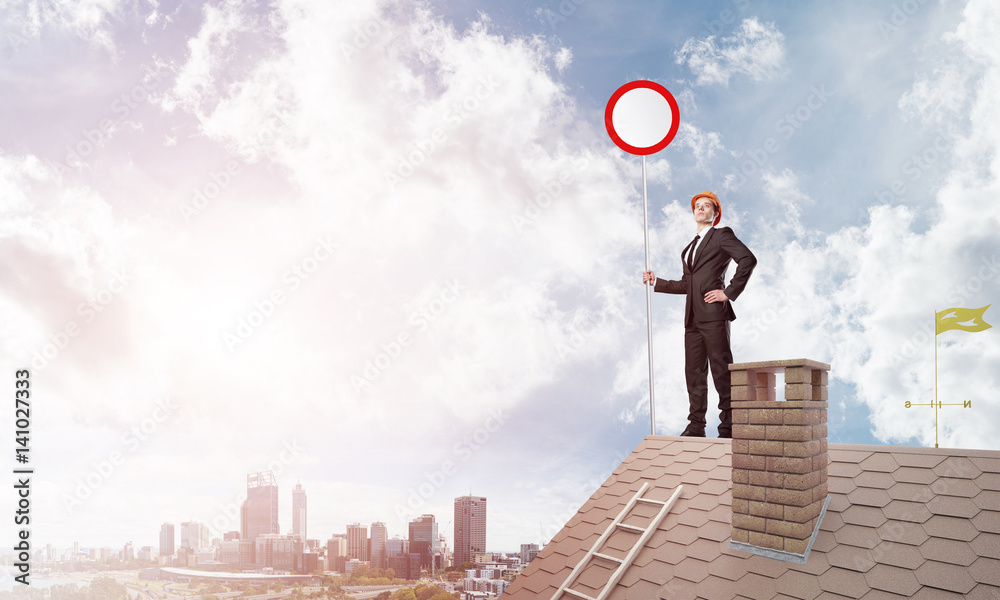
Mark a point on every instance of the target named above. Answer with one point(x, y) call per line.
point(623, 563)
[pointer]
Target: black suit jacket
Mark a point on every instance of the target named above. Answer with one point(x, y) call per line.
point(710, 262)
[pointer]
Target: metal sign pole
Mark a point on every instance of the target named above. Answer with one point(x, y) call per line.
point(642, 118)
point(649, 311)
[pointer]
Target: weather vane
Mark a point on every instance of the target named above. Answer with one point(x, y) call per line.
point(962, 319)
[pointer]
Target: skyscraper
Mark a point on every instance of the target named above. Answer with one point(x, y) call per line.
point(378, 538)
point(424, 539)
point(470, 528)
point(259, 513)
point(167, 539)
point(194, 535)
point(278, 551)
point(299, 512)
point(336, 552)
point(397, 547)
point(357, 541)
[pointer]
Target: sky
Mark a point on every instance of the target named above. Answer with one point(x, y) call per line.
point(387, 249)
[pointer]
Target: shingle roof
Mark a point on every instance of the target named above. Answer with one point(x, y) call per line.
point(902, 523)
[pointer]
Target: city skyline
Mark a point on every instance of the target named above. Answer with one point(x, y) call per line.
point(167, 529)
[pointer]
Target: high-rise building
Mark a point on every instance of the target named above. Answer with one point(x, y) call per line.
point(424, 539)
point(337, 545)
point(167, 539)
point(377, 550)
point(308, 563)
point(470, 528)
point(336, 553)
point(194, 535)
point(299, 512)
point(406, 566)
point(280, 552)
point(445, 559)
point(357, 542)
point(397, 547)
point(528, 552)
point(237, 554)
point(259, 513)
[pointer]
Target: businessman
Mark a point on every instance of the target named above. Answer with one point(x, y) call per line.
point(707, 309)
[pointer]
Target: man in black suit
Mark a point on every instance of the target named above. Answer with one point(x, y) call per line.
point(707, 309)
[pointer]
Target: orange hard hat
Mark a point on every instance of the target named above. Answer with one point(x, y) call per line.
point(715, 201)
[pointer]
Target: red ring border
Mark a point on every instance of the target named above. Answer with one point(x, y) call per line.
point(675, 115)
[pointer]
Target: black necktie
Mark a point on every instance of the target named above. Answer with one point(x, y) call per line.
point(692, 247)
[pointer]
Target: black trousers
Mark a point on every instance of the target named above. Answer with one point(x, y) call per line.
point(707, 344)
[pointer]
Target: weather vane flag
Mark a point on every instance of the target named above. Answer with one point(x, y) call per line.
point(961, 319)
point(642, 118)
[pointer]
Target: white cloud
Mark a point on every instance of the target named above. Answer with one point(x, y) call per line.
point(215, 45)
point(756, 49)
point(703, 144)
point(563, 58)
point(88, 19)
point(939, 96)
point(686, 102)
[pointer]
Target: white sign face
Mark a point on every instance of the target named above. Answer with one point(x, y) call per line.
point(642, 117)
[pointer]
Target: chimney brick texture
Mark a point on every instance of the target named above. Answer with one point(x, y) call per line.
point(779, 452)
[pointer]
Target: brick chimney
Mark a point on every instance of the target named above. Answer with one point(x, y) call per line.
point(779, 457)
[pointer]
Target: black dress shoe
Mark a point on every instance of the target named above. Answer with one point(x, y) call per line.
point(693, 431)
point(724, 434)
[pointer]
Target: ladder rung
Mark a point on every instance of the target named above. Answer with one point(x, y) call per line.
point(623, 563)
point(651, 501)
point(606, 557)
point(578, 594)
